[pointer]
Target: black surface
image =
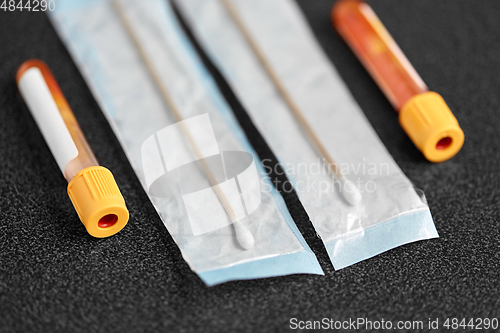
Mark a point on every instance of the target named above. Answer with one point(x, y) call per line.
point(55, 277)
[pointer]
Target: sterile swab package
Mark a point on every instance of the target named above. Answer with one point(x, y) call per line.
point(193, 159)
point(273, 57)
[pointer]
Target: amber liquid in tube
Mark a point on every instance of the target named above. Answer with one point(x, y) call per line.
point(377, 50)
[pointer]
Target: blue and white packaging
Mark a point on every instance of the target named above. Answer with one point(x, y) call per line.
point(390, 213)
point(143, 122)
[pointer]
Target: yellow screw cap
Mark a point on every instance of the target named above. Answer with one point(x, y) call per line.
point(98, 201)
point(431, 126)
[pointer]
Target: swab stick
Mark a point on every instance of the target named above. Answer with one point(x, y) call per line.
point(243, 235)
point(348, 190)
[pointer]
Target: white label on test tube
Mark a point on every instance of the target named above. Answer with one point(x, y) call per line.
point(37, 96)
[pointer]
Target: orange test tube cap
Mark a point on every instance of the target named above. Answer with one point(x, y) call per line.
point(98, 201)
point(432, 127)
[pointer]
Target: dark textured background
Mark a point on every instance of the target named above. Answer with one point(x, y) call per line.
point(55, 277)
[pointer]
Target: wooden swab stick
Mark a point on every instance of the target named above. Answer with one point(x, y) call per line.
point(348, 189)
point(243, 235)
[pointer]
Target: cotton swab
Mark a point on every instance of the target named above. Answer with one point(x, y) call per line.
point(348, 190)
point(243, 235)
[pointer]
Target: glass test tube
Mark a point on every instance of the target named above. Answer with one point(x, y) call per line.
point(91, 188)
point(423, 114)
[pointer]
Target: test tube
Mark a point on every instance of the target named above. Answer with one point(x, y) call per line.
point(91, 187)
point(423, 114)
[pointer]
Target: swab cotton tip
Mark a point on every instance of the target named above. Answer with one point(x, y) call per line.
point(351, 195)
point(349, 191)
point(244, 236)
